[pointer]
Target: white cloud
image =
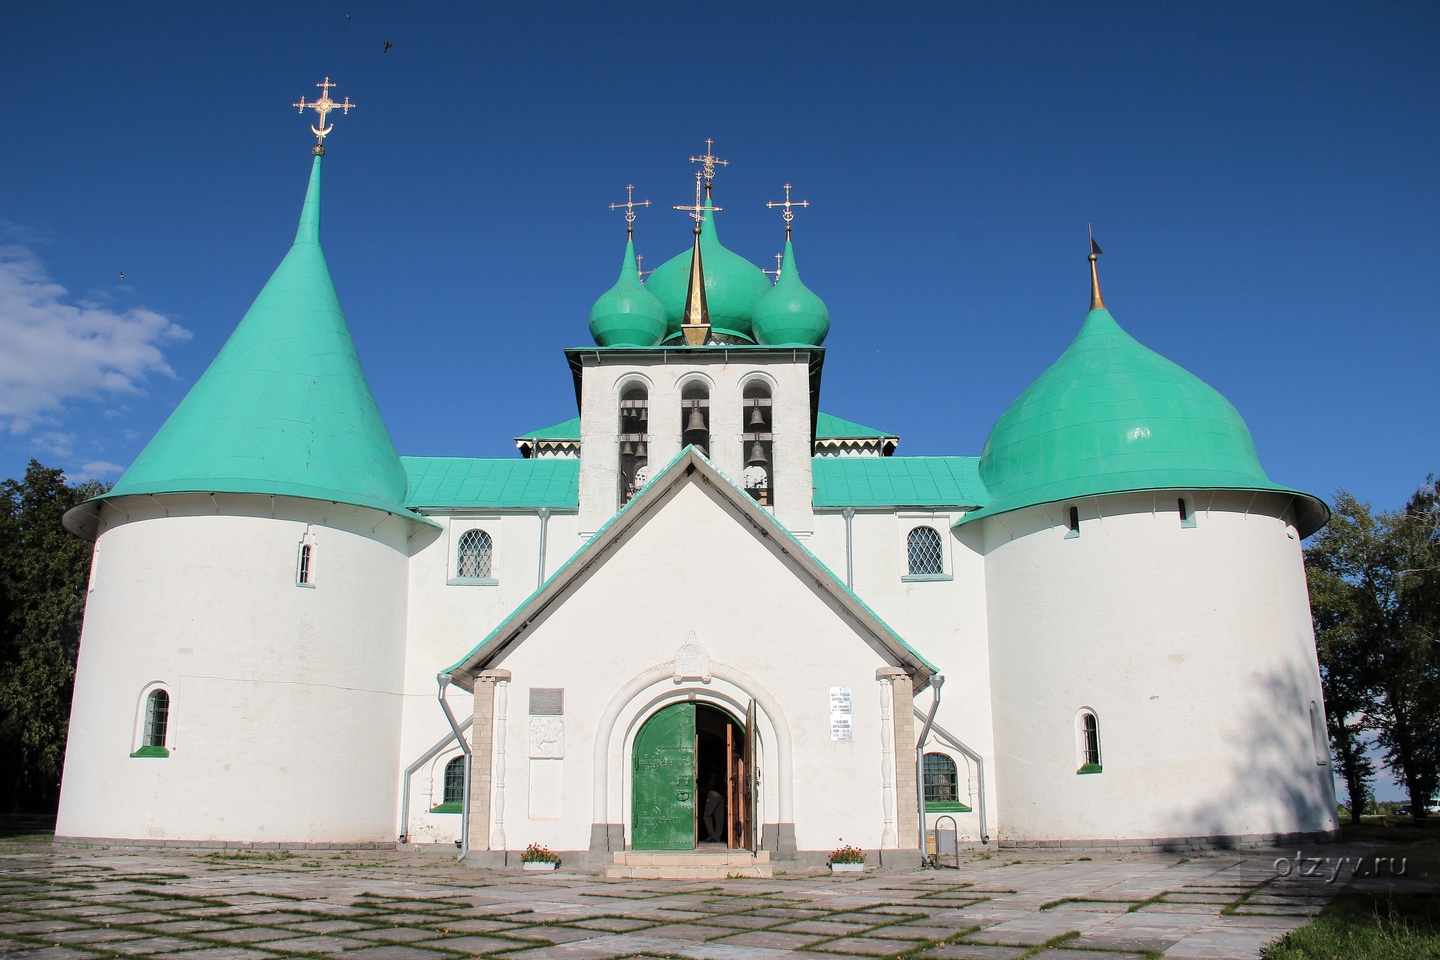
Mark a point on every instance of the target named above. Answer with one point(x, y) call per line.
point(98, 470)
point(53, 348)
point(55, 444)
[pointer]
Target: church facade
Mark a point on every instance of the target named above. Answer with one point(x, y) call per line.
point(703, 615)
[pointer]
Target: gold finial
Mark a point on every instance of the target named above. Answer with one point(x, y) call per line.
point(323, 106)
point(1096, 302)
point(779, 260)
point(709, 160)
point(789, 214)
point(639, 263)
point(630, 204)
point(698, 211)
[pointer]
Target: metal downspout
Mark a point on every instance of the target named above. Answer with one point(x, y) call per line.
point(849, 514)
point(423, 759)
point(937, 681)
point(544, 513)
point(979, 770)
point(444, 681)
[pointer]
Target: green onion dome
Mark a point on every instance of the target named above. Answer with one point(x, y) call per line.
point(733, 286)
point(627, 315)
point(1113, 416)
point(790, 313)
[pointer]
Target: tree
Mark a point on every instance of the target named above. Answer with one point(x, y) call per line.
point(44, 572)
point(1373, 595)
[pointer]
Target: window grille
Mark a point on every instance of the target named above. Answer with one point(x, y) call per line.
point(455, 781)
point(926, 556)
point(473, 558)
point(1092, 741)
point(304, 575)
point(157, 718)
point(547, 701)
point(942, 780)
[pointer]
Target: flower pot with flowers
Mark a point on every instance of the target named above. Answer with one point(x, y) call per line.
point(539, 858)
point(847, 859)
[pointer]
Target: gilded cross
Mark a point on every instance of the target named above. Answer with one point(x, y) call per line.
point(697, 211)
point(639, 265)
point(789, 214)
point(779, 258)
point(709, 160)
point(323, 106)
point(630, 204)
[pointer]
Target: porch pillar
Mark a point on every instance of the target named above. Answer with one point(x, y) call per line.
point(902, 720)
point(482, 757)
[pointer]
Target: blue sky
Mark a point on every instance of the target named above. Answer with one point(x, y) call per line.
point(1263, 179)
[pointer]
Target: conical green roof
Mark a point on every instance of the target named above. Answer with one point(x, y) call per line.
point(1112, 416)
point(733, 285)
point(284, 409)
point(627, 315)
point(790, 313)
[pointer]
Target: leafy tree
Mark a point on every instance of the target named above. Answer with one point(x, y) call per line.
point(1374, 593)
point(44, 572)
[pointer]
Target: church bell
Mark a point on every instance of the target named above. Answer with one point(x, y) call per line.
point(757, 419)
point(757, 456)
point(696, 423)
point(626, 450)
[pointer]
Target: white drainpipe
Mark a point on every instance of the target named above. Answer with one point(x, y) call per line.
point(544, 514)
point(849, 514)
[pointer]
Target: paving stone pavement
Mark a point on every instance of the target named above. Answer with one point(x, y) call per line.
point(78, 904)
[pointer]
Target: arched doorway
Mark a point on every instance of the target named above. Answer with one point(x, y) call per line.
point(692, 786)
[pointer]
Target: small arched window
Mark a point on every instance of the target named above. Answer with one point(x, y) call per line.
point(455, 780)
point(155, 729)
point(942, 780)
point(1074, 530)
point(472, 559)
point(634, 440)
point(925, 552)
point(757, 442)
point(695, 416)
point(1089, 743)
point(302, 576)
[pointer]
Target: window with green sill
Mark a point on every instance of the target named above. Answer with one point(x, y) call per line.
point(942, 785)
point(453, 795)
point(1089, 743)
point(157, 725)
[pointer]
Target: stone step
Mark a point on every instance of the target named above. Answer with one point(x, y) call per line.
point(689, 864)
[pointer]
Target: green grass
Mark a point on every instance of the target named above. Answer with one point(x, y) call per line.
point(1367, 926)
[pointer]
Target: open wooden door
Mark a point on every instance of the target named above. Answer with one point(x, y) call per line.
point(747, 780)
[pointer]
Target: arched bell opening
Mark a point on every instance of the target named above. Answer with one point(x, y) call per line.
point(692, 784)
point(757, 442)
point(634, 440)
point(695, 416)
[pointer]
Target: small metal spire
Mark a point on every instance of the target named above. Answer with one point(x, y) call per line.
point(709, 160)
point(779, 260)
point(323, 106)
point(630, 204)
point(789, 214)
point(1096, 301)
point(696, 321)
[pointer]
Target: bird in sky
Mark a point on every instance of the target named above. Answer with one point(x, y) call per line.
point(122, 274)
point(388, 45)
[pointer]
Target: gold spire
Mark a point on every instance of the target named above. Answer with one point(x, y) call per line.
point(323, 106)
point(696, 323)
point(630, 204)
point(1096, 301)
point(789, 214)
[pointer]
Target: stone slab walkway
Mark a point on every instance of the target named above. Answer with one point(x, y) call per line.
point(62, 903)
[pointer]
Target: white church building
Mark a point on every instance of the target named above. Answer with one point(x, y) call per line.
point(703, 615)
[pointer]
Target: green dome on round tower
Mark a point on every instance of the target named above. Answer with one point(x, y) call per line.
point(790, 313)
point(627, 315)
point(1113, 416)
point(733, 285)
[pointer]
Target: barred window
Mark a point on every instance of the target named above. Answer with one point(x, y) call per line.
point(157, 718)
point(942, 780)
point(473, 558)
point(925, 552)
point(455, 781)
point(303, 576)
point(1089, 743)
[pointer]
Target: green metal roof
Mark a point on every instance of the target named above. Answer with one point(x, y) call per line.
point(627, 315)
point(790, 312)
point(284, 409)
point(835, 428)
point(569, 430)
point(510, 483)
point(898, 482)
point(1113, 416)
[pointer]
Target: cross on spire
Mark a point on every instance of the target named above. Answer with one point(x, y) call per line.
point(789, 214)
point(779, 261)
point(709, 160)
point(322, 107)
point(697, 211)
point(630, 204)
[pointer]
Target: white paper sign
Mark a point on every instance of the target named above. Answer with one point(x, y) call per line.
point(840, 726)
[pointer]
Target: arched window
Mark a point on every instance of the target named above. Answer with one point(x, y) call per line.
point(1074, 530)
point(455, 780)
point(757, 442)
point(926, 554)
point(695, 416)
point(472, 560)
point(942, 780)
point(634, 440)
point(302, 576)
point(155, 725)
point(1089, 743)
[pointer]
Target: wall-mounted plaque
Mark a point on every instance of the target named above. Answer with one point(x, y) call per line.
point(840, 724)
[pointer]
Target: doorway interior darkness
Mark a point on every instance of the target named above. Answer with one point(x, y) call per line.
point(691, 780)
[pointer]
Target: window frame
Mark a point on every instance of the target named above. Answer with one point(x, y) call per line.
point(447, 805)
point(305, 560)
point(943, 806)
point(912, 523)
point(1087, 722)
point(142, 748)
point(458, 535)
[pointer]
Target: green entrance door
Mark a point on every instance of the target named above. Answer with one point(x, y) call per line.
point(663, 811)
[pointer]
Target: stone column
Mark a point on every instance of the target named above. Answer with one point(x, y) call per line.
point(888, 837)
point(482, 757)
point(907, 810)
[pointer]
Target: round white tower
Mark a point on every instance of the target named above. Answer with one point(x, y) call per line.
point(1154, 674)
point(242, 653)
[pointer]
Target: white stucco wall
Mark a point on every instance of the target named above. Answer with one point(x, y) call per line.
point(285, 710)
point(692, 566)
point(1194, 648)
